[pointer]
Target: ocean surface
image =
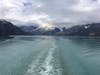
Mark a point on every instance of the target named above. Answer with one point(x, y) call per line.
point(50, 55)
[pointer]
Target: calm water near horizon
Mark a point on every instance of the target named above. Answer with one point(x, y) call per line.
point(50, 55)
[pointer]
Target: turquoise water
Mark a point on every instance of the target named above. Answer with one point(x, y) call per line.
point(50, 55)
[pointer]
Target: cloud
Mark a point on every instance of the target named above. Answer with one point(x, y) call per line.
point(86, 5)
point(69, 11)
point(22, 10)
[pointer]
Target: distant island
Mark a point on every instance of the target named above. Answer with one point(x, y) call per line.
point(7, 28)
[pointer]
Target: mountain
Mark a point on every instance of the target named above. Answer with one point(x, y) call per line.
point(36, 30)
point(7, 28)
point(41, 31)
point(83, 30)
point(53, 31)
point(28, 28)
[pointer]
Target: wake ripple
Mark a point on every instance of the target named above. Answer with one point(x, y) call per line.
point(50, 65)
point(46, 64)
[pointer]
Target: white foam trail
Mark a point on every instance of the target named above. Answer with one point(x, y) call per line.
point(44, 66)
point(48, 67)
point(33, 68)
point(47, 63)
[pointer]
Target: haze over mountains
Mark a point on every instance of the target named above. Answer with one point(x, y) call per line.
point(7, 28)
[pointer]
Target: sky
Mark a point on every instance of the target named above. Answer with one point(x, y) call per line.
point(51, 11)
